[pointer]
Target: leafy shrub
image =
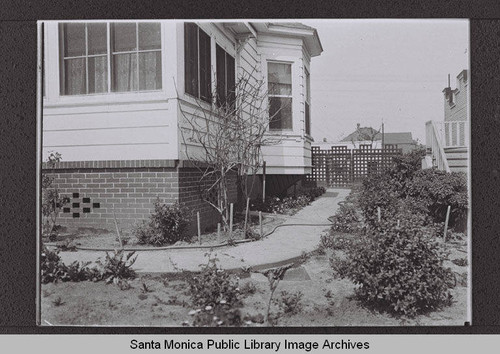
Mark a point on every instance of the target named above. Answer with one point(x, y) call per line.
point(405, 166)
point(289, 303)
point(248, 288)
point(213, 286)
point(115, 268)
point(52, 200)
point(346, 219)
point(340, 267)
point(437, 190)
point(461, 262)
point(216, 316)
point(52, 267)
point(167, 225)
point(399, 269)
point(337, 241)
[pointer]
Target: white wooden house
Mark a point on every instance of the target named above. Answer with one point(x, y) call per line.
point(115, 96)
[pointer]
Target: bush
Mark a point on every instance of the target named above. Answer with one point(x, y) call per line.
point(115, 268)
point(437, 190)
point(167, 225)
point(346, 219)
point(213, 286)
point(399, 269)
point(53, 269)
point(216, 316)
point(52, 200)
point(284, 205)
point(289, 303)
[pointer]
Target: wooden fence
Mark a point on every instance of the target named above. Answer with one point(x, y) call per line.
point(340, 166)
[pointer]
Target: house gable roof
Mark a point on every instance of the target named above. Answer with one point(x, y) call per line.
point(367, 133)
point(363, 134)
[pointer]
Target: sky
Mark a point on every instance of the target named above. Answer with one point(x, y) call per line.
point(384, 70)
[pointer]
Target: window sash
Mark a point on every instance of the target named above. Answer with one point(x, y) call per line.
point(226, 79)
point(197, 62)
point(102, 56)
point(280, 96)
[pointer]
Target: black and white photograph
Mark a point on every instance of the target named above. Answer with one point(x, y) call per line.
point(254, 173)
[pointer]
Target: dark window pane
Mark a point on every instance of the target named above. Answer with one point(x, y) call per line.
point(150, 71)
point(74, 39)
point(308, 87)
point(125, 72)
point(280, 113)
point(205, 65)
point(279, 78)
point(221, 75)
point(97, 38)
point(191, 58)
point(149, 36)
point(124, 37)
point(98, 74)
point(74, 76)
point(231, 79)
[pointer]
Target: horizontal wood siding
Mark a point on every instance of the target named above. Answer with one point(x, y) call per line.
point(135, 132)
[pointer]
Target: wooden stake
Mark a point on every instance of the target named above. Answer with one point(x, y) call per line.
point(218, 232)
point(199, 227)
point(446, 222)
point(260, 224)
point(378, 214)
point(264, 182)
point(117, 229)
point(246, 217)
point(231, 221)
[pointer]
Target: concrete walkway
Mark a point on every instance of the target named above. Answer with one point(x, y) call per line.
point(285, 245)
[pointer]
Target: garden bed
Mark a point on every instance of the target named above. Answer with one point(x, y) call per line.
point(326, 301)
point(86, 239)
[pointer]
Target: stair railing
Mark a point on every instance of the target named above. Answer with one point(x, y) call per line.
point(435, 144)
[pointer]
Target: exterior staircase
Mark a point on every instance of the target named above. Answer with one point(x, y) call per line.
point(447, 146)
point(457, 158)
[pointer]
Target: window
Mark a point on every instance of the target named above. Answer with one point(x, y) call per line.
point(136, 56)
point(102, 57)
point(280, 95)
point(226, 80)
point(197, 62)
point(308, 104)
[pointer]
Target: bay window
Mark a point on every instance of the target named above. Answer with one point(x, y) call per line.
point(280, 95)
point(110, 57)
point(197, 62)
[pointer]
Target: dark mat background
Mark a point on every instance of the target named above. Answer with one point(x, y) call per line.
point(18, 139)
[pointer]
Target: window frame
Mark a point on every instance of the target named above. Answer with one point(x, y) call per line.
point(110, 77)
point(223, 101)
point(290, 96)
point(198, 62)
point(307, 103)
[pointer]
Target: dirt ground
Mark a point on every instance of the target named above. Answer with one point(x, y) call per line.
point(326, 300)
point(101, 239)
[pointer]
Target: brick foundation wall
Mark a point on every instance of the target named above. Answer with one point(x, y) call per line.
point(95, 192)
point(190, 194)
point(129, 192)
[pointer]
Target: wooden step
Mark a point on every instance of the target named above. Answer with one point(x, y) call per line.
point(459, 169)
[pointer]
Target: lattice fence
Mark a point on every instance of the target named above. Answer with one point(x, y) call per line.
point(341, 166)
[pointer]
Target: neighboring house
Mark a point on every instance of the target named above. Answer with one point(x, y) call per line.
point(448, 140)
point(116, 94)
point(368, 137)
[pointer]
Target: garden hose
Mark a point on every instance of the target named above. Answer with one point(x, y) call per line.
point(192, 247)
